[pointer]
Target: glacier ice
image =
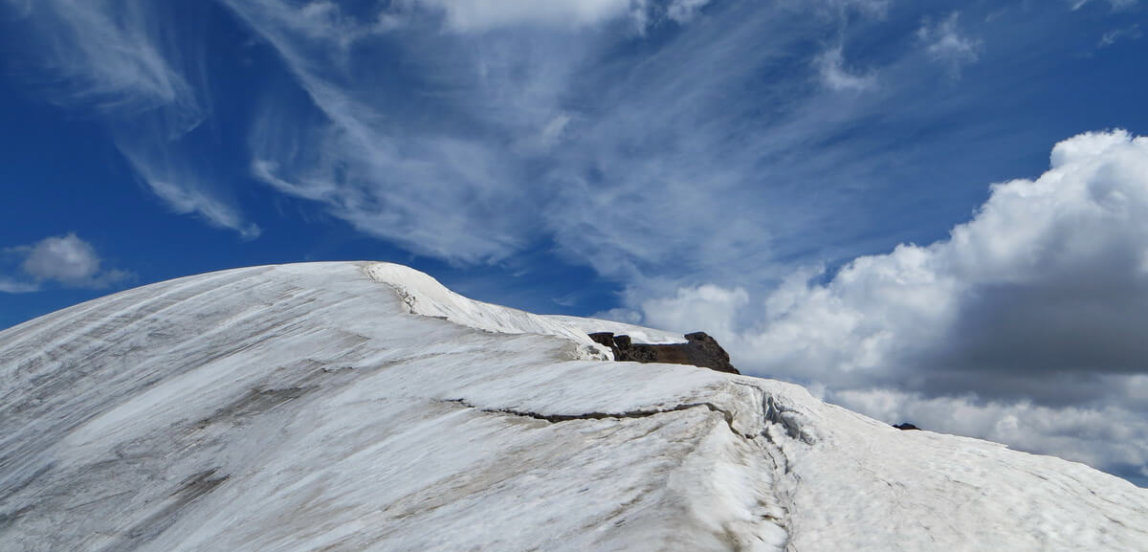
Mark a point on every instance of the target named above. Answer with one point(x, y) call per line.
point(363, 406)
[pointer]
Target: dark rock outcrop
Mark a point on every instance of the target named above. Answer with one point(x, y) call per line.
point(906, 426)
point(699, 350)
point(607, 339)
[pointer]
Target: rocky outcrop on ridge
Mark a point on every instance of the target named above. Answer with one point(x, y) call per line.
point(699, 350)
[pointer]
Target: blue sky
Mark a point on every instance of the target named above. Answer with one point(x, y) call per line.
point(759, 170)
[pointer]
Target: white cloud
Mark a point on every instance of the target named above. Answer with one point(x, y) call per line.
point(438, 196)
point(8, 285)
point(107, 53)
point(831, 66)
point(67, 260)
point(1108, 436)
point(620, 314)
point(464, 196)
point(529, 139)
point(842, 8)
point(1115, 4)
point(1112, 37)
point(475, 193)
point(707, 307)
point(551, 134)
point(1077, 236)
point(483, 15)
point(423, 185)
point(946, 45)
point(480, 16)
point(178, 185)
point(684, 11)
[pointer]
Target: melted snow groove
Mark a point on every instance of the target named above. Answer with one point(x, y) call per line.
point(777, 414)
point(559, 418)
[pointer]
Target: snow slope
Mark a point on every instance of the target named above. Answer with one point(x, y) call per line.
point(362, 406)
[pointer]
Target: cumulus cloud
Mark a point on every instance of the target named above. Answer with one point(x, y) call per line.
point(707, 307)
point(831, 67)
point(126, 62)
point(1046, 278)
point(67, 260)
point(945, 43)
point(1112, 436)
point(1024, 326)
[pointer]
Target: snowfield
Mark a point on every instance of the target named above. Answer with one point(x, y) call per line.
point(363, 406)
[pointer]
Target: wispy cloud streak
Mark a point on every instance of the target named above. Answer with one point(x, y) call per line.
point(947, 45)
point(130, 64)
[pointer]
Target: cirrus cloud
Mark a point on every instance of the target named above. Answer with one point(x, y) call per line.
point(946, 45)
point(126, 61)
point(834, 74)
point(482, 15)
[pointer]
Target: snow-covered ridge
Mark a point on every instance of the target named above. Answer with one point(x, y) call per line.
point(304, 407)
point(424, 295)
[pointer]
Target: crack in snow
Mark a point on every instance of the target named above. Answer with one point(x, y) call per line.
point(777, 414)
point(559, 418)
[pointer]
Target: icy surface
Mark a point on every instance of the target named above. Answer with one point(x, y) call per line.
point(362, 406)
point(423, 295)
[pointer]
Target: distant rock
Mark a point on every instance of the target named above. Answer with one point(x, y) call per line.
point(906, 426)
point(607, 339)
point(699, 350)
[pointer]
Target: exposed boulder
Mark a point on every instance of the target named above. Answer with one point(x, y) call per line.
point(906, 426)
point(699, 350)
point(603, 338)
